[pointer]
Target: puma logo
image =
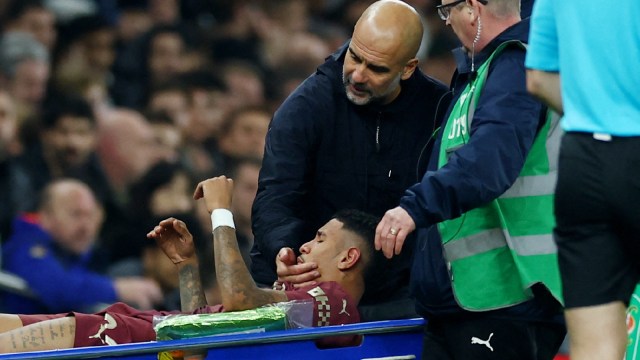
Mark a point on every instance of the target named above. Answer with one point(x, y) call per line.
point(344, 308)
point(475, 340)
point(110, 325)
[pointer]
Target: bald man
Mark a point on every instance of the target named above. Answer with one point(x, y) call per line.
point(58, 241)
point(350, 136)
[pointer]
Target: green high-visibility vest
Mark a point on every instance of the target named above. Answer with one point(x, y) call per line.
point(497, 252)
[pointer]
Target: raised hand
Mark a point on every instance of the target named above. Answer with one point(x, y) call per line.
point(175, 240)
point(217, 192)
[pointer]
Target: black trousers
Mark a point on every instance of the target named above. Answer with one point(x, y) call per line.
point(491, 338)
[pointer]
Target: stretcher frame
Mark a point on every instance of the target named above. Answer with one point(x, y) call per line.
point(392, 339)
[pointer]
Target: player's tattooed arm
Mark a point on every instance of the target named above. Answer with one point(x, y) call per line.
point(238, 290)
point(191, 290)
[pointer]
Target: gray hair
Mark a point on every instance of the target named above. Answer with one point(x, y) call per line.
point(504, 8)
point(16, 47)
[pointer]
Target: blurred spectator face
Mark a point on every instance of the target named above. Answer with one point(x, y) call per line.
point(168, 136)
point(73, 216)
point(172, 198)
point(100, 49)
point(128, 146)
point(208, 111)
point(8, 123)
point(246, 134)
point(164, 11)
point(133, 23)
point(29, 83)
point(70, 142)
point(244, 191)
point(139, 148)
point(40, 23)
point(173, 103)
point(245, 87)
point(165, 57)
point(160, 268)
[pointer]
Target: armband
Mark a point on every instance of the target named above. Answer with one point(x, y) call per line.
point(221, 217)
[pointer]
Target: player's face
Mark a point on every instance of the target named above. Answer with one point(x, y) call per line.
point(326, 248)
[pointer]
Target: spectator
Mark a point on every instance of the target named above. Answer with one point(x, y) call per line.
point(165, 190)
point(592, 80)
point(242, 136)
point(65, 148)
point(350, 136)
point(58, 241)
point(33, 17)
point(485, 265)
point(24, 71)
point(127, 149)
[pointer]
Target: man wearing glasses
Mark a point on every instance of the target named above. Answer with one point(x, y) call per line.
point(485, 203)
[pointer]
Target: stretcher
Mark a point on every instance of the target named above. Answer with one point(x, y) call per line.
point(393, 339)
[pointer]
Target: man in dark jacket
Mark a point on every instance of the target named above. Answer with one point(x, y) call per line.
point(351, 136)
point(486, 203)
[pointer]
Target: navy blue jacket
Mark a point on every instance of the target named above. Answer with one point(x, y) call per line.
point(324, 154)
point(61, 281)
point(504, 125)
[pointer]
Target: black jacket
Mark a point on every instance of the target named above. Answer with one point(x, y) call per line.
point(323, 154)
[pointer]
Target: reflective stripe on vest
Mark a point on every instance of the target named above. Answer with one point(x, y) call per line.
point(498, 251)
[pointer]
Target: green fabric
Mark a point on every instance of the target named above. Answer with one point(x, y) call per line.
point(498, 251)
point(262, 319)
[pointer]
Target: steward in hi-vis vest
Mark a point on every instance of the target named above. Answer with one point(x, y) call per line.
point(497, 252)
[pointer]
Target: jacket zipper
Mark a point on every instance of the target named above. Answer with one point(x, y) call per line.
point(378, 132)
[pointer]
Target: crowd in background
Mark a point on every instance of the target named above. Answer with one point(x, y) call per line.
point(140, 100)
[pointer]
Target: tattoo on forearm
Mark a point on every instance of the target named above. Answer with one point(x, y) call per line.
point(233, 276)
point(191, 291)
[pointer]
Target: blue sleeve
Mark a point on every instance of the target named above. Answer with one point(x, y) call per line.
point(502, 133)
point(543, 48)
point(62, 289)
point(278, 214)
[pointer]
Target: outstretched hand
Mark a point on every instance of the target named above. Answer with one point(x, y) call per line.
point(289, 270)
point(392, 231)
point(175, 240)
point(217, 192)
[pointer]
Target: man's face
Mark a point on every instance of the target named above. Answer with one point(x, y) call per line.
point(326, 248)
point(369, 75)
point(41, 24)
point(173, 103)
point(71, 141)
point(74, 220)
point(459, 22)
point(166, 56)
point(247, 134)
point(28, 86)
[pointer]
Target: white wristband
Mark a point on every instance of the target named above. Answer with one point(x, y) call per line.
point(221, 217)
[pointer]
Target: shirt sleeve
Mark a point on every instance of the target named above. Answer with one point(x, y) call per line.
point(504, 126)
point(543, 53)
point(331, 304)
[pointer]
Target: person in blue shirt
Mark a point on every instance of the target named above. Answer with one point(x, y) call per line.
point(595, 49)
point(51, 251)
